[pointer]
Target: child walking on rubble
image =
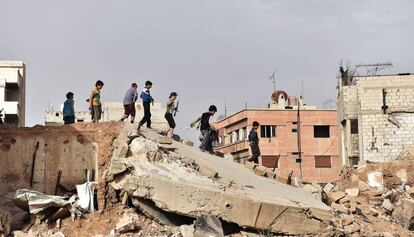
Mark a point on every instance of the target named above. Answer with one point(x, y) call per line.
point(129, 102)
point(146, 103)
point(254, 143)
point(206, 128)
point(169, 113)
point(68, 109)
point(95, 105)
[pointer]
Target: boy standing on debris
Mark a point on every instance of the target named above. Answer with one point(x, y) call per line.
point(68, 109)
point(95, 105)
point(206, 128)
point(146, 103)
point(254, 143)
point(129, 102)
point(169, 113)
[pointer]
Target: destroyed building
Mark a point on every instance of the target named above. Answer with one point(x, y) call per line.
point(12, 92)
point(281, 126)
point(376, 116)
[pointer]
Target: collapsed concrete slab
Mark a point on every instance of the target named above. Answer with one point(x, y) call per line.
point(234, 194)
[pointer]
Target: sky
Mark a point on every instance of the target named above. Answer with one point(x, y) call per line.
point(209, 51)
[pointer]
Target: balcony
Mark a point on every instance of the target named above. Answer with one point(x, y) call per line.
point(10, 107)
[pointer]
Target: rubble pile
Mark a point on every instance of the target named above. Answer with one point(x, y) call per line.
point(367, 209)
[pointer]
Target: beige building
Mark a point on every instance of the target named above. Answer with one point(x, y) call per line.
point(13, 92)
point(376, 117)
point(112, 111)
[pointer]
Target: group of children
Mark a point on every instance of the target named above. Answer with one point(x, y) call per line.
point(207, 130)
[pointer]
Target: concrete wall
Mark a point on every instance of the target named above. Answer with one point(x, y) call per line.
point(285, 142)
point(67, 148)
point(381, 136)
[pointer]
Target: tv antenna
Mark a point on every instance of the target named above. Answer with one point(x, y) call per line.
point(273, 79)
point(372, 69)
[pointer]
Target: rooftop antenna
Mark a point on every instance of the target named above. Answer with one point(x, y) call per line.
point(302, 90)
point(372, 69)
point(225, 109)
point(273, 78)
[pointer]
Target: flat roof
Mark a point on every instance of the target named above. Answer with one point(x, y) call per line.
point(272, 109)
point(11, 63)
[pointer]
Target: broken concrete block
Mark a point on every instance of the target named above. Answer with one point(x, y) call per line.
point(187, 142)
point(336, 196)
point(270, 173)
point(328, 188)
point(208, 172)
point(387, 205)
point(127, 223)
point(251, 203)
point(250, 165)
point(340, 208)
point(121, 152)
point(404, 213)
point(353, 192)
point(363, 186)
point(208, 226)
point(187, 230)
point(164, 140)
point(260, 170)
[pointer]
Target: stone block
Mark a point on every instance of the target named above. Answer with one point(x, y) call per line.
point(164, 140)
point(208, 172)
point(387, 205)
point(250, 165)
point(127, 223)
point(404, 213)
point(353, 192)
point(340, 208)
point(260, 170)
point(336, 196)
point(328, 188)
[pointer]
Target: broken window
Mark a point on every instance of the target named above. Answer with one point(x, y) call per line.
point(323, 162)
point(321, 131)
point(354, 126)
point(268, 131)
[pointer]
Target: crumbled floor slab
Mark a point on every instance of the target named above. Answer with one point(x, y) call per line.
point(237, 195)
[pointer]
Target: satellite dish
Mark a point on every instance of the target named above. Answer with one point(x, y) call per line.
point(279, 95)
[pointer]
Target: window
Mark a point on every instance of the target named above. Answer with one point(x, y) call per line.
point(354, 126)
point(270, 161)
point(323, 162)
point(294, 130)
point(268, 131)
point(321, 131)
point(244, 133)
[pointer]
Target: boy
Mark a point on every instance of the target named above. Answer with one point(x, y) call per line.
point(95, 105)
point(129, 102)
point(68, 109)
point(254, 143)
point(169, 113)
point(205, 128)
point(146, 102)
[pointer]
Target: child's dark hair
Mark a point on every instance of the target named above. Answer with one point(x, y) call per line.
point(148, 83)
point(134, 84)
point(99, 83)
point(173, 94)
point(255, 124)
point(212, 108)
point(69, 95)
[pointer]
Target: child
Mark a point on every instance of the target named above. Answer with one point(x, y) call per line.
point(129, 102)
point(68, 109)
point(169, 113)
point(206, 128)
point(95, 105)
point(146, 102)
point(254, 143)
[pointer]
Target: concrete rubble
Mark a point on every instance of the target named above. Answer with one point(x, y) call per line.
point(155, 186)
point(190, 183)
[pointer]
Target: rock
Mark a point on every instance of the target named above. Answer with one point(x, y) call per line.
point(127, 223)
point(353, 192)
point(19, 233)
point(387, 234)
point(187, 230)
point(310, 189)
point(206, 226)
point(352, 228)
point(404, 213)
point(208, 172)
point(347, 220)
point(336, 196)
point(187, 142)
point(250, 165)
point(387, 205)
point(260, 170)
point(5, 222)
point(58, 234)
point(328, 188)
point(363, 186)
point(340, 208)
point(164, 140)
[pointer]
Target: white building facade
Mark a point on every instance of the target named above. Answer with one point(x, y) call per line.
point(13, 92)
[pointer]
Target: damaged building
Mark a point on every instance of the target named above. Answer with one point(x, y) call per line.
point(376, 116)
point(295, 139)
